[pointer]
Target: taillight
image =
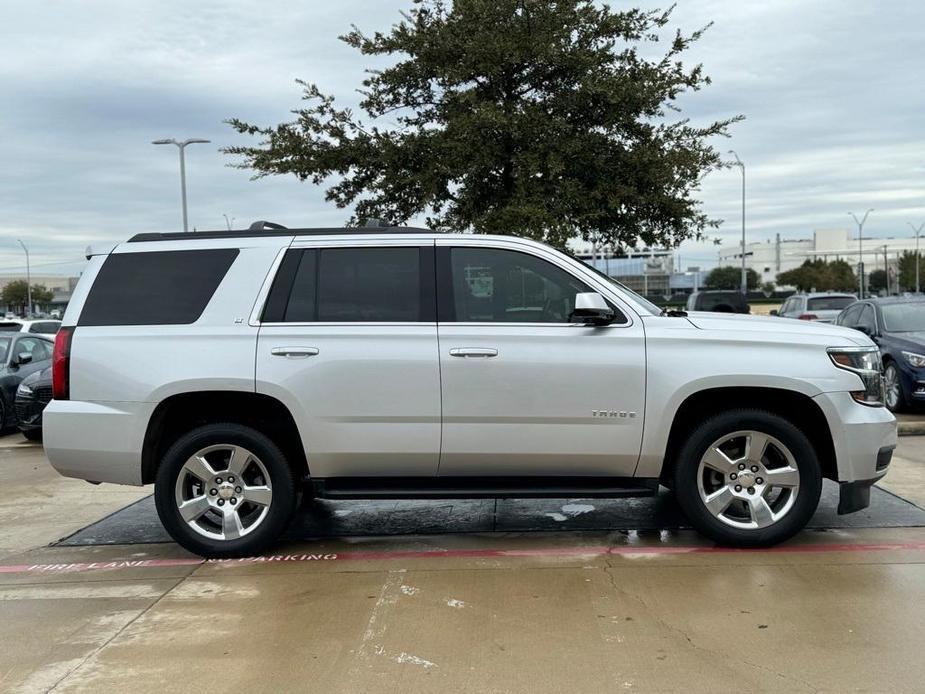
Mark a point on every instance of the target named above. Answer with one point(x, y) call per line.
point(61, 364)
point(807, 316)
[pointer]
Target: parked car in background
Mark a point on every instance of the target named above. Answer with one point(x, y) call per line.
point(897, 326)
point(818, 306)
point(21, 355)
point(33, 393)
point(718, 301)
point(45, 328)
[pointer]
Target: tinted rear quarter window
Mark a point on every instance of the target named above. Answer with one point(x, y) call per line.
point(155, 288)
point(10, 327)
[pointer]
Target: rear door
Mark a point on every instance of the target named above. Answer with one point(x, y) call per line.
point(348, 341)
point(526, 392)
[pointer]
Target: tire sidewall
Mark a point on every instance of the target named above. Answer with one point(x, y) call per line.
point(688, 495)
point(281, 478)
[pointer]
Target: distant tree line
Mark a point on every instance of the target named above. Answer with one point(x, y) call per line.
point(16, 295)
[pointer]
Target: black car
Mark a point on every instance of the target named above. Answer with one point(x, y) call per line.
point(897, 325)
point(31, 397)
point(21, 355)
point(719, 301)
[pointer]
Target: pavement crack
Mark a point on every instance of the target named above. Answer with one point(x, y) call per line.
point(105, 643)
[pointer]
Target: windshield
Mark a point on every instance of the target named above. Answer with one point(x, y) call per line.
point(830, 303)
point(904, 318)
point(4, 348)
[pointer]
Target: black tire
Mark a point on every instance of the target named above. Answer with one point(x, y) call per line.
point(282, 481)
point(713, 429)
point(33, 434)
point(900, 404)
point(3, 416)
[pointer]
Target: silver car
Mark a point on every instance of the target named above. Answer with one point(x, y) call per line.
point(817, 306)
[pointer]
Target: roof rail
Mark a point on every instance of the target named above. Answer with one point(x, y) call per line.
point(261, 225)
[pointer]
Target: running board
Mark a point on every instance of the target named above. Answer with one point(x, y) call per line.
point(482, 487)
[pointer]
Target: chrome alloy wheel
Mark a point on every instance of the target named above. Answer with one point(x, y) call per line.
point(748, 479)
point(891, 387)
point(223, 492)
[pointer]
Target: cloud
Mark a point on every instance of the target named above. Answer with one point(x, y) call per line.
point(829, 89)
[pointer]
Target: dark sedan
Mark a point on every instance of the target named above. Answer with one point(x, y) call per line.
point(897, 325)
point(21, 355)
point(31, 397)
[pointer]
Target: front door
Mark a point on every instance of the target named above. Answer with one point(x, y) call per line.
point(526, 391)
point(348, 342)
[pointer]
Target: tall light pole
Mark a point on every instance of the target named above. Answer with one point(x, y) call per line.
point(860, 223)
point(28, 279)
point(918, 232)
point(181, 146)
point(738, 162)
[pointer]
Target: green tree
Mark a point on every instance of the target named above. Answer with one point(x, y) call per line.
point(907, 271)
point(16, 294)
point(537, 118)
point(729, 277)
point(876, 281)
point(820, 275)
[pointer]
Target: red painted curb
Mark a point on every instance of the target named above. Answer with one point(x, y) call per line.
point(593, 550)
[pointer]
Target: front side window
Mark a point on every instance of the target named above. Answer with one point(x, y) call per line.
point(350, 285)
point(867, 320)
point(849, 317)
point(500, 286)
point(34, 346)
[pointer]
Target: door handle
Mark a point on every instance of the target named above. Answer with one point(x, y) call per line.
point(481, 352)
point(294, 352)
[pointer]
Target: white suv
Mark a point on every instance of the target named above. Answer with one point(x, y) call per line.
point(236, 370)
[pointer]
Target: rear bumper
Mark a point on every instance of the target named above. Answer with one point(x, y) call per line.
point(96, 441)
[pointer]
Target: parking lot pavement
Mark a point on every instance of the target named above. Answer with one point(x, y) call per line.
point(584, 611)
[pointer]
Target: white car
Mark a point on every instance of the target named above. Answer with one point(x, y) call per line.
point(234, 369)
point(44, 327)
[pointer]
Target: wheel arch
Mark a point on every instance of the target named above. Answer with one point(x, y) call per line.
point(797, 408)
point(183, 412)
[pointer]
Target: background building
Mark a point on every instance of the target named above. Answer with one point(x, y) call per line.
point(772, 256)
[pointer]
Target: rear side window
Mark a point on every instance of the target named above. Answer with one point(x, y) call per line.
point(48, 327)
point(157, 288)
point(353, 285)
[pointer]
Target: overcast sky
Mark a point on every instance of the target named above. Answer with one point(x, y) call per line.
point(831, 89)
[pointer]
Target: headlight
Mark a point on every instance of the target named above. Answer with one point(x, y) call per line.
point(865, 362)
point(24, 389)
point(917, 360)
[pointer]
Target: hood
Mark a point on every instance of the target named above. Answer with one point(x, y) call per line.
point(42, 377)
point(914, 341)
point(737, 322)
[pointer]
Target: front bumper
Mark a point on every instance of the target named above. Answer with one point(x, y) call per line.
point(863, 438)
point(854, 496)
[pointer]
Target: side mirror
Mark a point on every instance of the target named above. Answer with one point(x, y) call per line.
point(591, 308)
point(22, 358)
point(773, 312)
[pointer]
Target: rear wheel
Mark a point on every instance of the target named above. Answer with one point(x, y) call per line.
point(33, 434)
point(748, 478)
point(225, 490)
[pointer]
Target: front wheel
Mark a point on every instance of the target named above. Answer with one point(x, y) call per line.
point(748, 478)
point(893, 388)
point(225, 490)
